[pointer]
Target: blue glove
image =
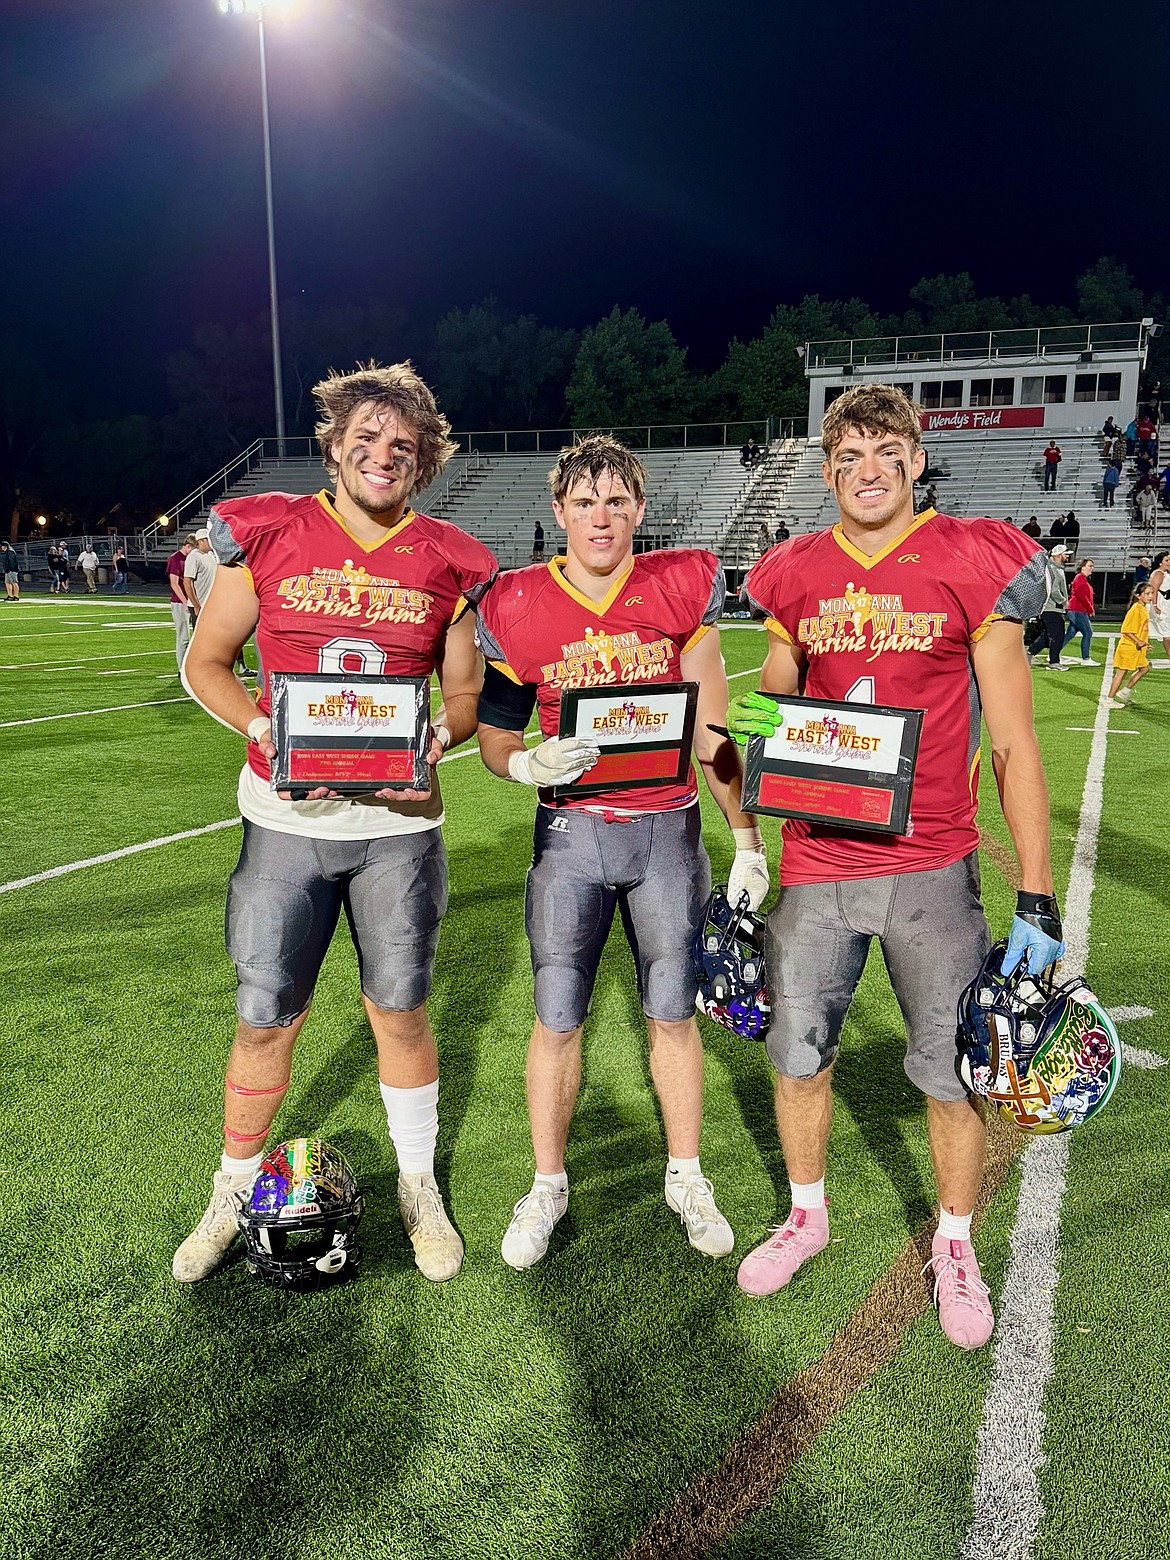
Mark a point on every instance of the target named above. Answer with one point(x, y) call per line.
point(1036, 932)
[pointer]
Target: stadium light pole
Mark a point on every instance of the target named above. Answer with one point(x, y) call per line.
point(256, 8)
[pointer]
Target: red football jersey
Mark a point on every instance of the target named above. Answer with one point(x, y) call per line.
point(539, 630)
point(332, 603)
point(897, 629)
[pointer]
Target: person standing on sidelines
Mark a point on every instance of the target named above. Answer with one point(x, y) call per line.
point(121, 571)
point(1159, 578)
point(601, 617)
point(1053, 610)
point(198, 578)
point(180, 606)
point(925, 614)
point(346, 583)
point(10, 568)
point(65, 566)
point(1131, 659)
point(1080, 610)
point(87, 562)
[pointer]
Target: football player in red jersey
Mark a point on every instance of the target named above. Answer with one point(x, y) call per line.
point(354, 582)
point(602, 617)
point(922, 613)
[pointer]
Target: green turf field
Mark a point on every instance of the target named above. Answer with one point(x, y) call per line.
point(562, 1413)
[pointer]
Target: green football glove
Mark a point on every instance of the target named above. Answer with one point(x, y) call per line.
point(752, 715)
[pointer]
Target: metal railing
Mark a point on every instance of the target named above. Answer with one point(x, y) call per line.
point(982, 345)
point(653, 436)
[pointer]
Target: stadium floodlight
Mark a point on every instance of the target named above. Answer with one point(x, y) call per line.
point(257, 8)
point(41, 520)
point(163, 522)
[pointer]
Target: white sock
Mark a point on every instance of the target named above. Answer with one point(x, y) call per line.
point(412, 1118)
point(954, 1226)
point(681, 1168)
point(810, 1196)
point(557, 1184)
point(246, 1167)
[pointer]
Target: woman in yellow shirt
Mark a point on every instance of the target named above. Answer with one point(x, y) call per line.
point(1132, 653)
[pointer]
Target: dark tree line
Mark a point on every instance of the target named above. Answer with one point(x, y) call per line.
point(489, 368)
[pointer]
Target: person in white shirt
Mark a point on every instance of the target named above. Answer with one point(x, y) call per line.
point(88, 561)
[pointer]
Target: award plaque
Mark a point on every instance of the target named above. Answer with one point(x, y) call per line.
point(355, 734)
point(644, 734)
point(847, 765)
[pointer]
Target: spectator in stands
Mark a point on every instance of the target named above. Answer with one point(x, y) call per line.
point(1142, 573)
point(763, 539)
point(1052, 459)
point(930, 497)
point(782, 532)
point(1143, 462)
point(1057, 528)
point(1119, 451)
point(1130, 439)
point(1109, 480)
point(538, 543)
point(1080, 610)
point(1147, 504)
point(1110, 430)
point(749, 455)
point(1164, 486)
point(1009, 520)
point(1072, 527)
point(121, 571)
point(1031, 527)
point(1052, 613)
point(1146, 433)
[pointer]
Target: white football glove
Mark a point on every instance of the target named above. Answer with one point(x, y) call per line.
point(557, 761)
point(749, 871)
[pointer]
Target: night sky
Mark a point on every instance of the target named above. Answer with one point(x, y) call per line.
point(700, 163)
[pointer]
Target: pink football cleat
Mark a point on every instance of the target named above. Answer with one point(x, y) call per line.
point(769, 1267)
point(964, 1310)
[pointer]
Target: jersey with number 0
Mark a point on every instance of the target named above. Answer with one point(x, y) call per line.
point(898, 629)
point(539, 630)
point(333, 604)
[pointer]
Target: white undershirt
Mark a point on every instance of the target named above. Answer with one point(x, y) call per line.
point(357, 819)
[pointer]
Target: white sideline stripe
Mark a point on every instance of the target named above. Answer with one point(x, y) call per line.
point(116, 855)
point(166, 839)
point(1122, 1015)
point(123, 628)
point(58, 665)
point(106, 709)
point(1008, 1508)
point(1115, 731)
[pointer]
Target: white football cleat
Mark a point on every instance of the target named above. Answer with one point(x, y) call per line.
point(692, 1197)
point(533, 1218)
point(207, 1245)
point(438, 1250)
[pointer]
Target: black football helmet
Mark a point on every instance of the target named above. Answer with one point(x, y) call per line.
point(300, 1218)
point(1045, 1054)
point(727, 951)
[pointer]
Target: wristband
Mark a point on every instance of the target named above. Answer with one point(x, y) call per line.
point(443, 736)
point(257, 727)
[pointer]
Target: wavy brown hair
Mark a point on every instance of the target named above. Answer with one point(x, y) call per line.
point(874, 409)
point(395, 388)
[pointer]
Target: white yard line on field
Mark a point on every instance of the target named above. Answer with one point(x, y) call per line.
point(60, 633)
point(106, 709)
point(59, 665)
point(166, 839)
point(1008, 1509)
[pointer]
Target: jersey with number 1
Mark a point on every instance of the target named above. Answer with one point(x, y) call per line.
point(334, 604)
point(897, 629)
